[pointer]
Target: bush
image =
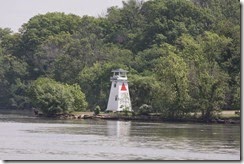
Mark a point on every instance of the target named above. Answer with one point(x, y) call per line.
point(97, 110)
point(145, 109)
point(52, 97)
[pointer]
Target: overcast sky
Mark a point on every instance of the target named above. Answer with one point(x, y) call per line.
point(14, 13)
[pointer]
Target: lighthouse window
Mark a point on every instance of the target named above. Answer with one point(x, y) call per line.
point(122, 74)
point(116, 97)
point(114, 85)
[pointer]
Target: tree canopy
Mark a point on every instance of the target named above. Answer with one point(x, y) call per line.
point(183, 56)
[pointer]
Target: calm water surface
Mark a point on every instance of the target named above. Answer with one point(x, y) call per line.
point(28, 138)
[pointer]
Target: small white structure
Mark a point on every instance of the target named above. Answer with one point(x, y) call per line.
point(119, 97)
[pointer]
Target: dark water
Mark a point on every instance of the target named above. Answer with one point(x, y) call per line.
point(28, 138)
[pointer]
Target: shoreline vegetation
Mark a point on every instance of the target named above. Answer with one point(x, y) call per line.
point(226, 117)
point(183, 59)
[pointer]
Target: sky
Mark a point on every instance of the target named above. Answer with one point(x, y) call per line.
point(14, 13)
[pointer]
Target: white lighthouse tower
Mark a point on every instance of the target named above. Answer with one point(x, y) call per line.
point(119, 98)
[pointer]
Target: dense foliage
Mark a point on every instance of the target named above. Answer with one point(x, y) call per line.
point(183, 56)
point(52, 97)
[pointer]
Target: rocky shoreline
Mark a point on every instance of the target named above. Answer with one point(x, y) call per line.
point(137, 118)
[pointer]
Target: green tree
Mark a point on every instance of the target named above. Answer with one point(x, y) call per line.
point(143, 90)
point(146, 60)
point(124, 25)
point(211, 92)
point(213, 80)
point(40, 27)
point(12, 70)
point(172, 72)
point(37, 30)
point(166, 20)
point(226, 16)
point(208, 82)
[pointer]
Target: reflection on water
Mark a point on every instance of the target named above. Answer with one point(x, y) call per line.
point(28, 138)
point(118, 128)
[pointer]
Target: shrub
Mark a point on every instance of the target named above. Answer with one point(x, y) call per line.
point(52, 97)
point(97, 110)
point(126, 111)
point(145, 109)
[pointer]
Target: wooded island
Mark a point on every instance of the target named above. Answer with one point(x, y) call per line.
point(183, 57)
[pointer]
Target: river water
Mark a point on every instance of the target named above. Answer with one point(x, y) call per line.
point(25, 137)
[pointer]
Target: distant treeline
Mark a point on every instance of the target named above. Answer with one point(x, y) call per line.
point(183, 56)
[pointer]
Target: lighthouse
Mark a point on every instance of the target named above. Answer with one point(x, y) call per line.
point(119, 97)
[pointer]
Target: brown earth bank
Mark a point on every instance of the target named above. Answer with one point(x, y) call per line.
point(149, 118)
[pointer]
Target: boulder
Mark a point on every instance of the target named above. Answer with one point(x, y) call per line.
point(87, 116)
